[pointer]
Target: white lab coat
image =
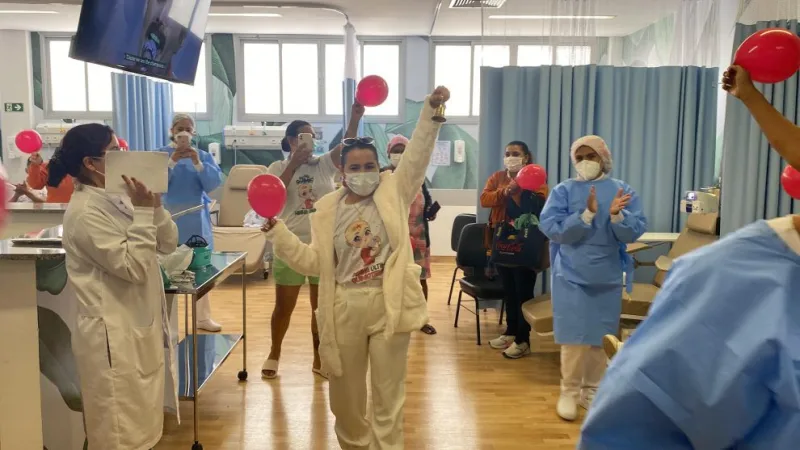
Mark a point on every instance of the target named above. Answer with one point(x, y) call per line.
point(122, 330)
point(405, 305)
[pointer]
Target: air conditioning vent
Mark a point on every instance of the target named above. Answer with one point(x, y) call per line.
point(477, 3)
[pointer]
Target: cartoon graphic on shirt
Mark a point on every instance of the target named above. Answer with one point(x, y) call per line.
point(305, 190)
point(359, 235)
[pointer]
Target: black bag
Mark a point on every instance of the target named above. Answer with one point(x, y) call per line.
point(518, 248)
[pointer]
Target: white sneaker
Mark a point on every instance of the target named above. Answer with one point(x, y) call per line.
point(501, 342)
point(517, 351)
point(587, 397)
point(566, 408)
point(209, 325)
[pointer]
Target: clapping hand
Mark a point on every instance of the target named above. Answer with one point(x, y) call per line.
point(591, 202)
point(620, 202)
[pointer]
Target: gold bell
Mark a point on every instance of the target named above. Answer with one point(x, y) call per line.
point(438, 114)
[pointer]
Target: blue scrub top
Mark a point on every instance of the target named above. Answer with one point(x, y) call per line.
point(188, 188)
point(716, 365)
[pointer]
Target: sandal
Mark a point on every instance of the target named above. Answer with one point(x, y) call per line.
point(270, 365)
point(428, 329)
point(321, 373)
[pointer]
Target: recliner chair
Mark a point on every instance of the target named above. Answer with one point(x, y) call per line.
point(229, 234)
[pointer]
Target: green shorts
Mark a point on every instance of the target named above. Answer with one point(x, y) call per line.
point(285, 276)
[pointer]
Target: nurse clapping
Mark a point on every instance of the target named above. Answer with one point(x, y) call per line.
point(193, 174)
point(589, 219)
point(111, 243)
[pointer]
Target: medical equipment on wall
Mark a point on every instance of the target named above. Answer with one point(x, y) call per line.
point(53, 132)
point(214, 150)
point(704, 201)
point(251, 137)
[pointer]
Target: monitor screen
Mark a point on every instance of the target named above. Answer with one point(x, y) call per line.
point(157, 38)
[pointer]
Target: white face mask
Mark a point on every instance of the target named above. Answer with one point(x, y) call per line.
point(513, 163)
point(363, 183)
point(588, 170)
point(395, 158)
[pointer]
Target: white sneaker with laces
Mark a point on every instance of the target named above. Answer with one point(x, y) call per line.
point(566, 408)
point(501, 342)
point(209, 325)
point(517, 351)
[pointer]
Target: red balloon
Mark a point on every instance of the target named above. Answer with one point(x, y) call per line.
point(790, 180)
point(771, 55)
point(531, 177)
point(267, 195)
point(28, 141)
point(372, 91)
point(123, 144)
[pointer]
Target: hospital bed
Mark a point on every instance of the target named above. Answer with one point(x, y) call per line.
point(700, 230)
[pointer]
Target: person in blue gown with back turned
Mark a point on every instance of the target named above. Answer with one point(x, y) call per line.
point(716, 365)
point(193, 174)
point(589, 220)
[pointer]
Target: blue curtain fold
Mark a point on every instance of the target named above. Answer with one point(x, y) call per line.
point(660, 124)
point(751, 170)
point(142, 110)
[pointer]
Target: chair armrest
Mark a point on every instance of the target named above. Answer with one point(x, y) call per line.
point(663, 263)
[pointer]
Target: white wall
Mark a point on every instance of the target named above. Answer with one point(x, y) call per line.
point(441, 228)
point(16, 86)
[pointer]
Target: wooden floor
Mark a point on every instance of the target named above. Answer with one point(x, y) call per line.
point(459, 395)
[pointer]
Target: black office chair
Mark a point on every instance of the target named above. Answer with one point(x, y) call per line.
point(459, 223)
point(471, 254)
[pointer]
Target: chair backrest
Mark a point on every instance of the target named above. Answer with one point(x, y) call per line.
point(701, 230)
point(470, 251)
point(233, 205)
point(459, 223)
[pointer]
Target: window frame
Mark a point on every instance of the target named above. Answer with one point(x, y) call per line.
point(320, 41)
point(513, 44)
point(47, 93)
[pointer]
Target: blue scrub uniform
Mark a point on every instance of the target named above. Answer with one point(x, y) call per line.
point(189, 187)
point(587, 261)
point(716, 365)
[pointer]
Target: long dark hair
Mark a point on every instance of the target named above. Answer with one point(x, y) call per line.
point(87, 140)
point(292, 131)
point(524, 148)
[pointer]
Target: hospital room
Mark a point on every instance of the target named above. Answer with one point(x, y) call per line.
point(388, 225)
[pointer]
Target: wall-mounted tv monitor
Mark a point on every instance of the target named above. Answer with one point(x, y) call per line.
point(157, 38)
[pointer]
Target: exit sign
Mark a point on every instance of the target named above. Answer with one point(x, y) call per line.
point(14, 107)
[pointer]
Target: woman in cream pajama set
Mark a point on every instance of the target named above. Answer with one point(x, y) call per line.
point(370, 298)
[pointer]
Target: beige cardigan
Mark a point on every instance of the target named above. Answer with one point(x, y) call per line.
point(406, 308)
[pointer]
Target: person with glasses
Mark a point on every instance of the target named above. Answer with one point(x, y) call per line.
point(370, 298)
point(307, 178)
point(121, 340)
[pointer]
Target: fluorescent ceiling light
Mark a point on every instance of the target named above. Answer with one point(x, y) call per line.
point(21, 11)
point(529, 17)
point(244, 15)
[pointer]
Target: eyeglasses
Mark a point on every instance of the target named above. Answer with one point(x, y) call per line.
point(365, 140)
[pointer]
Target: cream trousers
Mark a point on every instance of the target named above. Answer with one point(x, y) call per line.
point(582, 368)
point(360, 317)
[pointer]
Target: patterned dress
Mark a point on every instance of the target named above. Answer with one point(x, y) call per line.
point(416, 226)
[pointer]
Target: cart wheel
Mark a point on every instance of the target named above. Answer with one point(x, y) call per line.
point(266, 275)
point(242, 375)
point(197, 446)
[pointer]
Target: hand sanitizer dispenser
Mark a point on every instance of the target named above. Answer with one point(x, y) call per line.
point(460, 151)
point(214, 150)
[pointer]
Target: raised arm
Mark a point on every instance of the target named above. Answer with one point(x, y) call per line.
point(558, 224)
point(37, 175)
point(411, 173)
point(783, 135)
point(302, 258)
point(210, 174)
point(630, 223)
point(356, 114)
point(691, 376)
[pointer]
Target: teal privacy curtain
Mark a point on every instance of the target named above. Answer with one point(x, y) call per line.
point(142, 110)
point(660, 124)
point(751, 170)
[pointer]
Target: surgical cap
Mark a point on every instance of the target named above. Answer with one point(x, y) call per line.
point(597, 144)
point(179, 117)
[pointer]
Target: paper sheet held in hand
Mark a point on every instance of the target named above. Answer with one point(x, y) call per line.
point(150, 168)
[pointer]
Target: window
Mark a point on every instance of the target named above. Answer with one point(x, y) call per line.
point(458, 66)
point(76, 89)
point(283, 78)
point(192, 99)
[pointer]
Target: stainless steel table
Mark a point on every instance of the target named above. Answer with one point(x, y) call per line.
point(200, 355)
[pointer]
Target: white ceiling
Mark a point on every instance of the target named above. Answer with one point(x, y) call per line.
point(370, 17)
